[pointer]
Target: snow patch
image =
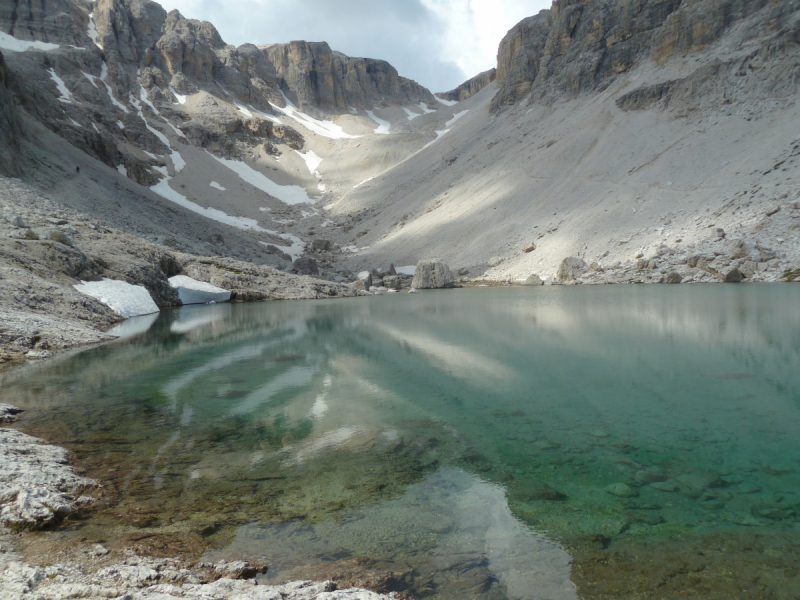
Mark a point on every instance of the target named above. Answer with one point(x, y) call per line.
point(383, 126)
point(297, 245)
point(122, 170)
point(92, 31)
point(120, 296)
point(439, 134)
point(217, 186)
point(90, 78)
point(244, 111)
point(74, 122)
point(446, 102)
point(191, 291)
point(411, 114)
point(425, 109)
point(455, 118)
point(120, 124)
point(179, 97)
point(162, 189)
point(312, 162)
point(288, 194)
point(12, 44)
point(66, 95)
point(367, 180)
point(327, 129)
point(114, 101)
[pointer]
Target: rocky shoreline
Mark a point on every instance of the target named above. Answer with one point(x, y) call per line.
point(39, 488)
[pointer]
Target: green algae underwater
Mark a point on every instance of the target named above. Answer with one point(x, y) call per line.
point(556, 442)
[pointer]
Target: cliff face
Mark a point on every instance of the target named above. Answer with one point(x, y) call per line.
point(581, 45)
point(190, 55)
point(10, 128)
point(470, 87)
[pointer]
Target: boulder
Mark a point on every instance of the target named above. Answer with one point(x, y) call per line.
point(734, 276)
point(191, 291)
point(571, 268)
point(59, 236)
point(529, 248)
point(719, 232)
point(358, 286)
point(738, 249)
point(533, 280)
point(463, 271)
point(748, 268)
point(432, 274)
point(392, 270)
point(305, 266)
point(16, 221)
point(366, 278)
point(673, 277)
point(319, 245)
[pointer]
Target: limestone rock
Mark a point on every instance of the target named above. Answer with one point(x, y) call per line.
point(571, 268)
point(470, 87)
point(432, 274)
point(529, 248)
point(191, 291)
point(533, 280)
point(673, 277)
point(366, 278)
point(37, 486)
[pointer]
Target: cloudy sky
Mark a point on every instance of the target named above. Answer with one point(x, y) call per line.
point(439, 43)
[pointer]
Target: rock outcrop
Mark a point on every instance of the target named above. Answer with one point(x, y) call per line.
point(470, 87)
point(580, 45)
point(432, 274)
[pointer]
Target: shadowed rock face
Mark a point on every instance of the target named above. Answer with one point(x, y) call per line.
point(470, 87)
point(580, 45)
point(9, 126)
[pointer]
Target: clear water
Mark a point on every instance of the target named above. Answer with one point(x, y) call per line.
point(593, 442)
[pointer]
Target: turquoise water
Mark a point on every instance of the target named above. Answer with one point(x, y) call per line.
point(484, 443)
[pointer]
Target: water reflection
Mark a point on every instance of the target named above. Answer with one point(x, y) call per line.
point(614, 413)
point(452, 528)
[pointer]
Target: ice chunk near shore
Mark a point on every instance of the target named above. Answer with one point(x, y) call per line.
point(120, 296)
point(191, 291)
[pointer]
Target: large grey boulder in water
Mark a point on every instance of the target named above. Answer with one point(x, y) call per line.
point(571, 268)
point(432, 274)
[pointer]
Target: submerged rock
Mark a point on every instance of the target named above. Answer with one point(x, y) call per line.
point(432, 274)
point(8, 413)
point(621, 490)
point(191, 291)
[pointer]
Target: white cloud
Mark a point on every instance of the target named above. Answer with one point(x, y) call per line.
point(439, 43)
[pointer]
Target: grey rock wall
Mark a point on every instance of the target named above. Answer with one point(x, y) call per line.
point(470, 87)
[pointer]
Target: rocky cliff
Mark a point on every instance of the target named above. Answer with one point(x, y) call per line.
point(470, 87)
point(581, 46)
point(10, 127)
